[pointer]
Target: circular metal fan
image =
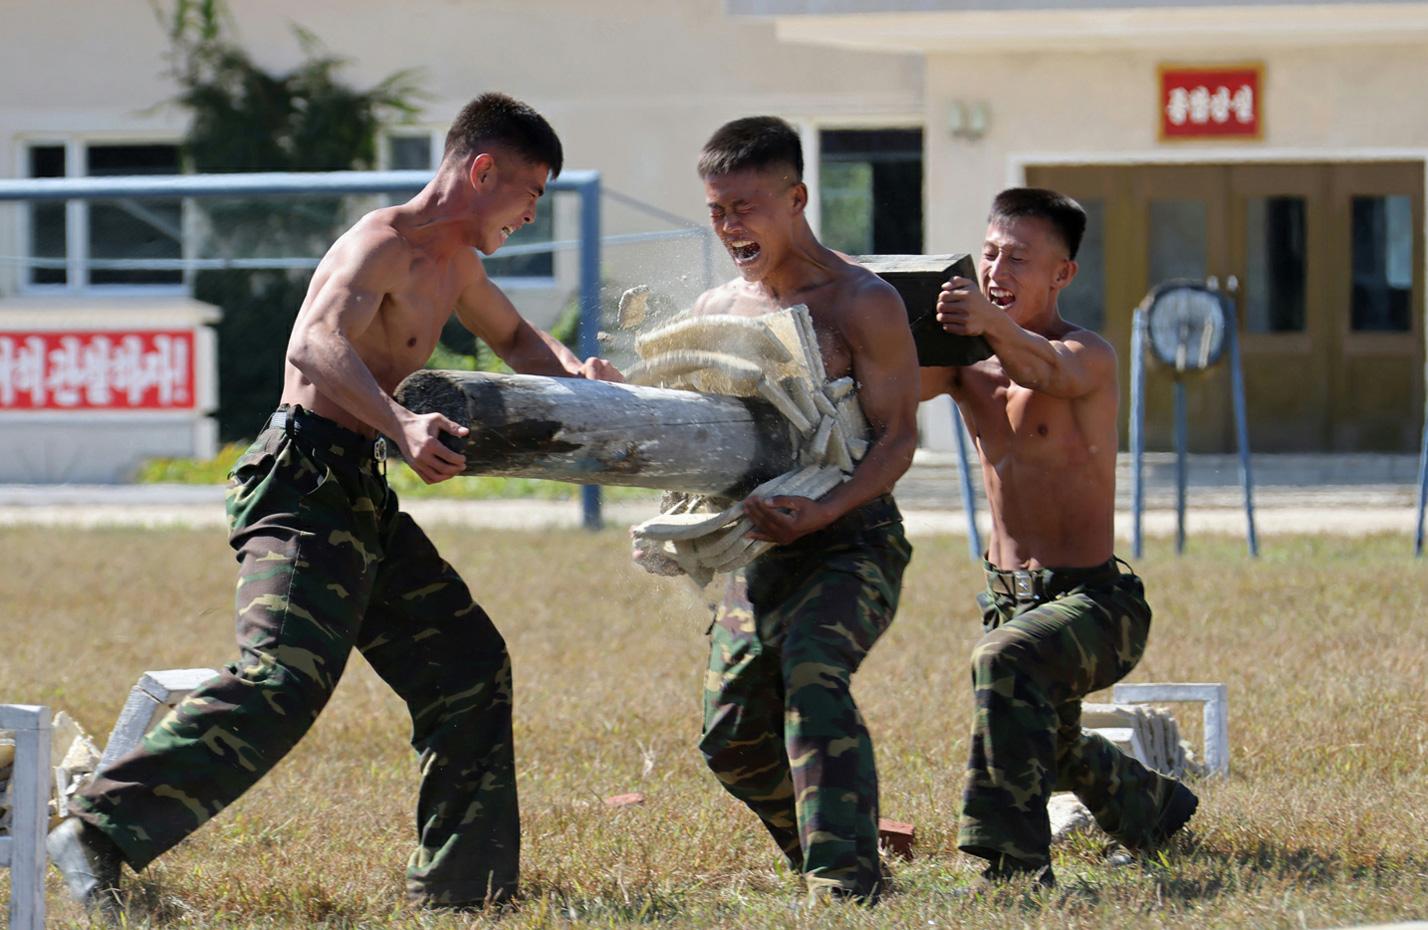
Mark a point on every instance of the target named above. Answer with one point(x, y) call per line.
point(1186, 324)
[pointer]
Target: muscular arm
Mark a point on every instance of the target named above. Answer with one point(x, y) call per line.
point(885, 364)
point(486, 310)
point(1070, 366)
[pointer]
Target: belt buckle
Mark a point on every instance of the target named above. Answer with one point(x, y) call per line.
point(1023, 584)
point(379, 450)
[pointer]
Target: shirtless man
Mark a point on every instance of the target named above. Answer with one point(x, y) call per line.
point(781, 730)
point(1062, 617)
point(328, 560)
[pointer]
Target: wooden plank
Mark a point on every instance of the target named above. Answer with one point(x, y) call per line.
point(919, 279)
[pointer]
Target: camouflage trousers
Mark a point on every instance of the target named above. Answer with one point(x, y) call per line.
point(781, 730)
point(328, 563)
point(1052, 638)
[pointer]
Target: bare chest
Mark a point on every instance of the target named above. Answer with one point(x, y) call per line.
point(832, 346)
point(408, 326)
point(1016, 424)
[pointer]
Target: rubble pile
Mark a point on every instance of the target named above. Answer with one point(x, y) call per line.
point(1147, 732)
point(73, 757)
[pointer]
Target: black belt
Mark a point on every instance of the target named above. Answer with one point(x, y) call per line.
point(880, 511)
point(1041, 584)
point(327, 436)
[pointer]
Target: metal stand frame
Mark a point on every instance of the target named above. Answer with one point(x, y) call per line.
point(1137, 435)
point(964, 479)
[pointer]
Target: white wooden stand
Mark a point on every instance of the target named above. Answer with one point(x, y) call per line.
point(23, 851)
point(155, 695)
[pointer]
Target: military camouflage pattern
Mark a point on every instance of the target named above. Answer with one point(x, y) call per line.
point(328, 562)
point(1029, 673)
point(781, 730)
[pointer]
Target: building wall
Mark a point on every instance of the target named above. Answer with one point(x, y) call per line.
point(1327, 103)
point(634, 87)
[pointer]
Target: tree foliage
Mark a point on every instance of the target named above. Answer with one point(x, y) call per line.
point(244, 118)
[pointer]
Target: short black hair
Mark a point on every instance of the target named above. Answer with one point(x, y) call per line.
point(1065, 215)
point(497, 119)
point(756, 142)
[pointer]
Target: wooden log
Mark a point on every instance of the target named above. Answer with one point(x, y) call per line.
point(919, 279)
point(598, 432)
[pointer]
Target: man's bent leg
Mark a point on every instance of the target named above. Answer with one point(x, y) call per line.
point(298, 598)
point(743, 741)
point(429, 640)
point(1022, 672)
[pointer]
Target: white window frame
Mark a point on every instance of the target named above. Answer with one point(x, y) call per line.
point(77, 282)
point(810, 132)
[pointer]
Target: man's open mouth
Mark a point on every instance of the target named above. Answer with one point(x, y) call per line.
point(506, 233)
point(744, 251)
point(1001, 297)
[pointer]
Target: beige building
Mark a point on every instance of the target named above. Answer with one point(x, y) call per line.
point(1305, 192)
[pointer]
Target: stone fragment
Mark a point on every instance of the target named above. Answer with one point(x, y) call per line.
point(634, 304)
point(1068, 816)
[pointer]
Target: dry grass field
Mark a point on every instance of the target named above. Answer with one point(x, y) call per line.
point(1324, 822)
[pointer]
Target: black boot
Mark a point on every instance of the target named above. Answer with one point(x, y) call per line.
point(1177, 812)
point(90, 863)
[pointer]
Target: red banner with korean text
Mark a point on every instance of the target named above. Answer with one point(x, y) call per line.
point(102, 370)
point(1211, 102)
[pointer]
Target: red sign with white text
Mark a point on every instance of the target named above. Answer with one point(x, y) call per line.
point(1214, 102)
point(66, 370)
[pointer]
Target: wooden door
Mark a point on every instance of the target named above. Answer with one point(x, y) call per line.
point(1325, 263)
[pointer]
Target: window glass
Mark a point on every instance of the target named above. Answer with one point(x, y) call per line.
point(1275, 265)
point(134, 229)
point(870, 195)
point(48, 227)
point(409, 153)
point(847, 207)
point(1382, 263)
point(1179, 231)
point(532, 264)
point(1083, 301)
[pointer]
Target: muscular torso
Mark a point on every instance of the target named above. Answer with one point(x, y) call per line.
point(406, 327)
point(825, 301)
point(1049, 466)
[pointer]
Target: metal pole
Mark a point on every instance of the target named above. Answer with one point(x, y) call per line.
point(590, 310)
point(1182, 439)
point(964, 478)
point(1237, 382)
point(1422, 487)
point(1137, 427)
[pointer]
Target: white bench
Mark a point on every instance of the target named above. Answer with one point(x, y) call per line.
point(23, 851)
